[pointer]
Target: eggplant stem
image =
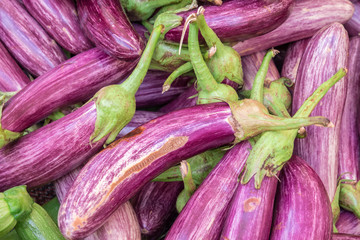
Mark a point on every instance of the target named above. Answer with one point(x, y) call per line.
point(185, 68)
point(189, 19)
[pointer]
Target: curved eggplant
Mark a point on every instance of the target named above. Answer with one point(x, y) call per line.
point(26, 40)
point(353, 25)
point(302, 206)
point(106, 24)
point(305, 19)
point(60, 20)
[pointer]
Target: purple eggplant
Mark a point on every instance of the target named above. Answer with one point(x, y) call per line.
point(26, 40)
point(60, 20)
point(155, 205)
point(305, 19)
point(123, 223)
point(204, 214)
point(106, 24)
point(348, 223)
point(325, 54)
point(341, 236)
point(353, 25)
point(349, 154)
point(302, 206)
point(230, 26)
point(12, 78)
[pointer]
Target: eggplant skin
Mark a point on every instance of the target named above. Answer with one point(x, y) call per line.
point(353, 25)
point(238, 20)
point(302, 206)
point(106, 24)
point(342, 236)
point(26, 40)
point(60, 20)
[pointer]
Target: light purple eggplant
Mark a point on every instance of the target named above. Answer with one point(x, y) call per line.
point(53, 150)
point(256, 18)
point(341, 236)
point(106, 24)
point(353, 25)
point(348, 223)
point(250, 212)
point(73, 81)
point(122, 224)
point(292, 59)
point(305, 19)
point(60, 20)
point(12, 77)
point(302, 206)
point(325, 54)
point(26, 40)
point(204, 214)
point(155, 205)
point(349, 152)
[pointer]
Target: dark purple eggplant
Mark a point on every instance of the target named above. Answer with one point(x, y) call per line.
point(26, 40)
point(326, 52)
point(106, 24)
point(305, 19)
point(302, 206)
point(204, 214)
point(230, 26)
point(60, 20)
point(353, 25)
point(348, 223)
point(341, 236)
point(12, 78)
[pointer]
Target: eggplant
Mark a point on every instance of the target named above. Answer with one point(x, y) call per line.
point(340, 236)
point(230, 26)
point(305, 19)
point(145, 152)
point(106, 24)
point(12, 78)
point(204, 214)
point(302, 206)
point(60, 20)
point(26, 40)
point(349, 154)
point(326, 52)
point(123, 223)
point(348, 223)
point(352, 26)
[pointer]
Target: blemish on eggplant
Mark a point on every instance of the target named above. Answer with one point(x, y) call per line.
point(251, 204)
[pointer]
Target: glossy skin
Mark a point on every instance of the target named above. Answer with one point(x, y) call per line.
point(230, 26)
point(60, 20)
point(12, 77)
point(26, 40)
point(136, 159)
point(305, 19)
point(325, 54)
point(302, 207)
point(105, 23)
point(353, 25)
point(75, 80)
point(204, 214)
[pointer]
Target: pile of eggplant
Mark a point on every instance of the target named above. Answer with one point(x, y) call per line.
point(180, 119)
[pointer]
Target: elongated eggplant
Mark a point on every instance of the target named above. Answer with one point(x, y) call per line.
point(122, 224)
point(349, 154)
point(267, 15)
point(302, 206)
point(106, 24)
point(12, 78)
point(352, 26)
point(26, 40)
point(204, 214)
point(341, 236)
point(326, 52)
point(60, 20)
point(348, 223)
point(305, 19)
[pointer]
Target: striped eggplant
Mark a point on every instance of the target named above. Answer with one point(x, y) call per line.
point(302, 206)
point(155, 205)
point(250, 212)
point(26, 40)
point(267, 14)
point(106, 24)
point(12, 78)
point(204, 214)
point(340, 236)
point(122, 224)
point(326, 52)
point(348, 223)
point(353, 25)
point(60, 20)
point(145, 152)
point(305, 19)
point(349, 154)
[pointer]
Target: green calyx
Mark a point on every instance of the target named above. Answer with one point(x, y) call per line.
point(183, 5)
point(7, 220)
point(169, 21)
point(115, 104)
point(19, 202)
point(189, 186)
point(277, 97)
point(349, 198)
